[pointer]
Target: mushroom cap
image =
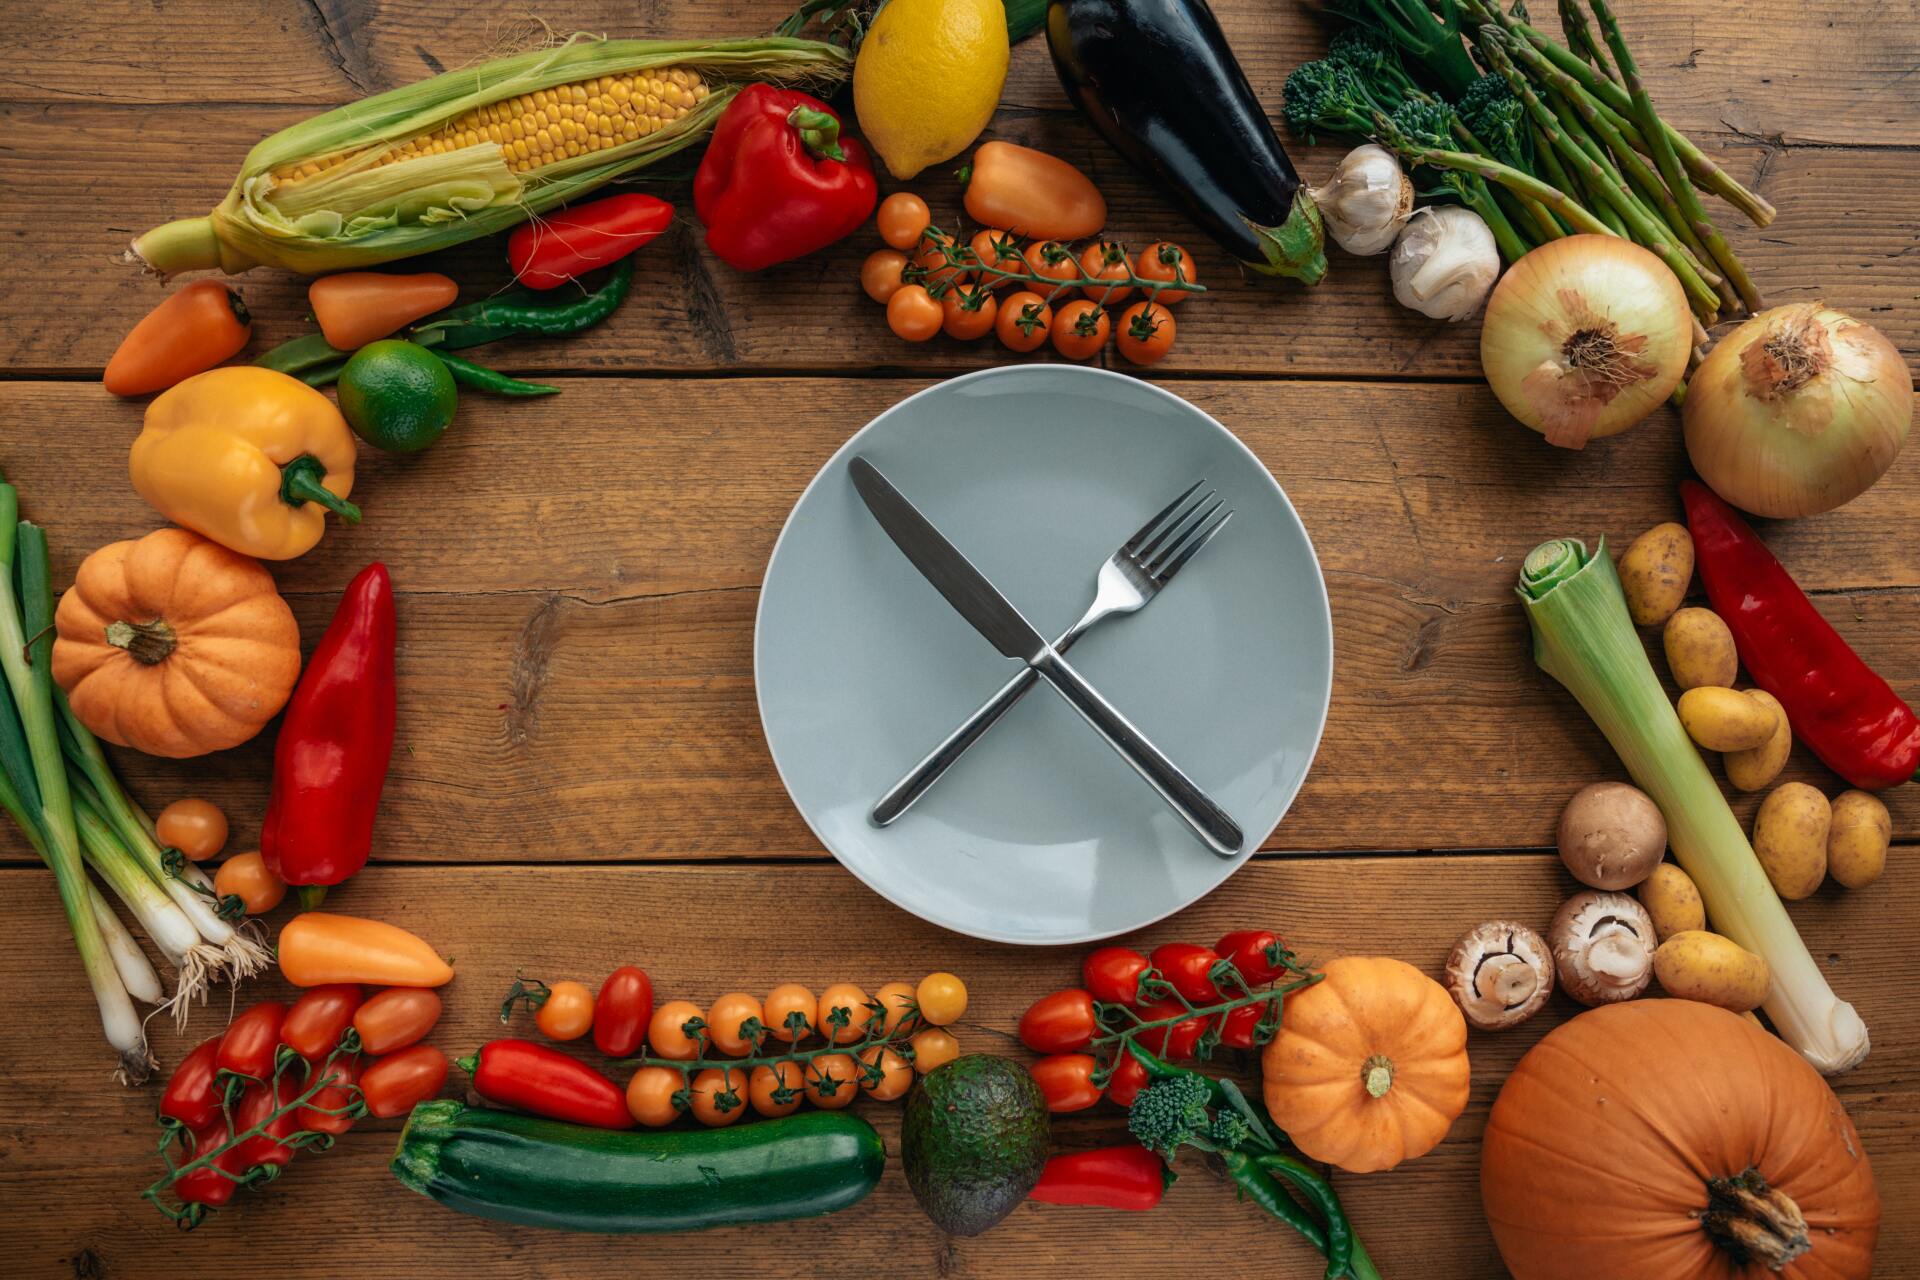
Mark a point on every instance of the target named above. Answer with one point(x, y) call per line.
point(1603, 945)
point(1500, 974)
point(1611, 835)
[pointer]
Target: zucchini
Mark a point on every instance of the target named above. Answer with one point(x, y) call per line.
point(544, 1173)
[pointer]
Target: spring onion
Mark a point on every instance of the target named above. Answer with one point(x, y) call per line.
point(1583, 638)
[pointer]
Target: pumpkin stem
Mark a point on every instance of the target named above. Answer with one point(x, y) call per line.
point(1376, 1073)
point(1753, 1221)
point(148, 643)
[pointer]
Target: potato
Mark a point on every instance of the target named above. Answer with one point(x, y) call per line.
point(1655, 571)
point(1857, 841)
point(1700, 650)
point(1726, 719)
point(1753, 769)
point(1696, 965)
point(1790, 836)
point(1672, 899)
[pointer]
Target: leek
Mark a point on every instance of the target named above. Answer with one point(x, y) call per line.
point(1583, 638)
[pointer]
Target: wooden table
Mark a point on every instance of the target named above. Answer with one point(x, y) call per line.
point(581, 780)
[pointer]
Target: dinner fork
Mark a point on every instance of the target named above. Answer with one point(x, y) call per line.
point(1131, 576)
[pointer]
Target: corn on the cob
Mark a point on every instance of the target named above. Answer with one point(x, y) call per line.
point(472, 152)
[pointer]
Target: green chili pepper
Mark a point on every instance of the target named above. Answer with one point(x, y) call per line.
point(1160, 1069)
point(481, 378)
point(1261, 1188)
point(1320, 1194)
point(306, 359)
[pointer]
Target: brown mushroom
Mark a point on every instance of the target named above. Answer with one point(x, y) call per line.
point(1500, 974)
point(1612, 835)
point(1603, 946)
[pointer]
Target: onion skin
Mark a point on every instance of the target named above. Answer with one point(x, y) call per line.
point(1581, 285)
point(1802, 425)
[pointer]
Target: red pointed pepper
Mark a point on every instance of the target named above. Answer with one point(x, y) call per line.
point(546, 1082)
point(1125, 1177)
point(778, 181)
point(331, 759)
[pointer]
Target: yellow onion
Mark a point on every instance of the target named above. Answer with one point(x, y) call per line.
point(1797, 411)
point(1584, 336)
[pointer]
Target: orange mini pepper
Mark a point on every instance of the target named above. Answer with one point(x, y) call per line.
point(357, 307)
point(317, 948)
point(189, 333)
point(1033, 194)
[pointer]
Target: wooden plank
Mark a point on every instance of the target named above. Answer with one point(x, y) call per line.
point(704, 930)
point(1775, 70)
point(1844, 233)
point(594, 652)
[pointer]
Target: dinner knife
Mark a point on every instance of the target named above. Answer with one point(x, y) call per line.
point(993, 616)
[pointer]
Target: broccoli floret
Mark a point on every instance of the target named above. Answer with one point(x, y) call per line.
point(1228, 1130)
point(1329, 96)
point(1170, 1113)
point(1374, 60)
point(1426, 121)
point(1498, 119)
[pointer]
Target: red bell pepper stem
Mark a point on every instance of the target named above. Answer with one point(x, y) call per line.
point(330, 762)
point(1836, 704)
point(819, 132)
point(1125, 1177)
point(546, 1082)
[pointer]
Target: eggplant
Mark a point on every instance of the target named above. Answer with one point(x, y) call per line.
point(1159, 82)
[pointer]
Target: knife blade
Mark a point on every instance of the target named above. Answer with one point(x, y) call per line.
point(977, 600)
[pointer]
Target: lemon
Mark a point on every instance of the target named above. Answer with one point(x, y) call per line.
point(928, 78)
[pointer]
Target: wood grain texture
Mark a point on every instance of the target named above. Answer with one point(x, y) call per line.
point(530, 606)
point(700, 931)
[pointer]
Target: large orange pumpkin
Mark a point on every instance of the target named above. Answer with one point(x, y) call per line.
point(174, 645)
point(1674, 1139)
point(1370, 1065)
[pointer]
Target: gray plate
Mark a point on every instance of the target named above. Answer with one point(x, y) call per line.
point(1041, 834)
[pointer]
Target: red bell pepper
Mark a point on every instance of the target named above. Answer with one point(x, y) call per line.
point(778, 181)
point(546, 1082)
point(1839, 706)
point(331, 759)
point(556, 248)
point(1124, 1177)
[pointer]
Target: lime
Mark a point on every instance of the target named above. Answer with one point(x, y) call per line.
point(397, 396)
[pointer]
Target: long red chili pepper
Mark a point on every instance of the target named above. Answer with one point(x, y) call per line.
point(1838, 705)
point(331, 759)
point(546, 1082)
point(1125, 1177)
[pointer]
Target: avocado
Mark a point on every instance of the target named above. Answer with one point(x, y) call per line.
point(974, 1140)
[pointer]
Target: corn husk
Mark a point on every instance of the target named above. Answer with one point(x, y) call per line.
point(360, 213)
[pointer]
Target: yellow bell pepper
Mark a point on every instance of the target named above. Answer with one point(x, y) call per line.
point(249, 457)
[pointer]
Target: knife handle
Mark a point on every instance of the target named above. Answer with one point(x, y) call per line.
point(1209, 821)
point(902, 795)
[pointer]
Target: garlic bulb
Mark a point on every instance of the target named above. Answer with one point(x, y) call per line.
point(1367, 200)
point(1444, 263)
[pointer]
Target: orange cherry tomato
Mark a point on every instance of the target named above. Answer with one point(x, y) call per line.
point(934, 1047)
point(652, 1096)
point(1051, 260)
point(967, 314)
point(1079, 329)
point(942, 998)
point(880, 273)
point(195, 827)
point(903, 218)
point(1165, 261)
point(896, 1077)
point(897, 1001)
point(396, 1018)
point(1145, 334)
point(393, 1084)
point(783, 1002)
point(999, 249)
point(567, 1013)
point(247, 877)
point(940, 268)
point(1106, 260)
point(666, 1031)
point(833, 1081)
point(777, 1090)
point(844, 1011)
point(719, 1096)
point(1067, 1081)
point(736, 1024)
point(913, 314)
point(1024, 321)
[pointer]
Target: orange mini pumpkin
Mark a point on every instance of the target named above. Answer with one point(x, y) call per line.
point(1370, 1066)
point(1671, 1138)
point(174, 645)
